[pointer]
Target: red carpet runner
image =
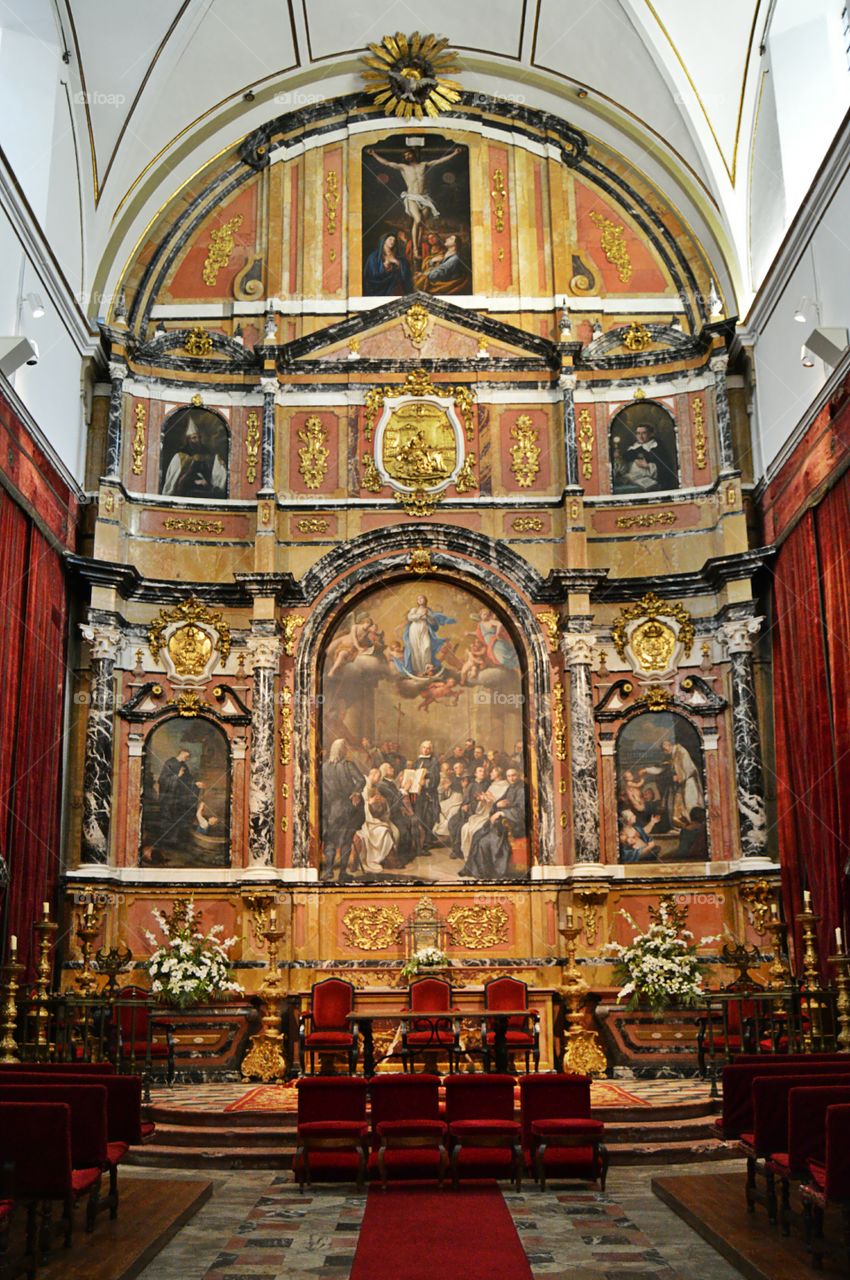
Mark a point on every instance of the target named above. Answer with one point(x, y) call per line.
point(419, 1233)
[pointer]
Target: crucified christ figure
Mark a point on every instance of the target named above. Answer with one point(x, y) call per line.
point(417, 203)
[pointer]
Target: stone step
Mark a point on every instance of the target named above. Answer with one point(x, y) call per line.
point(197, 1118)
point(160, 1156)
point(632, 1153)
point(225, 1136)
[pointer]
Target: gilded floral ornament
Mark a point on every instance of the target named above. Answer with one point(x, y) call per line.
point(652, 635)
point(416, 322)
point(551, 624)
point(525, 452)
point(478, 927)
point(198, 342)
point(252, 446)
point(290, 623)
point(614, 245)
point(420, 561)
point(637, 337)
point(372, 928)
point(173, 622)
point(466, 481)
point(222, 241)
point(406, 75)
point(314, 453)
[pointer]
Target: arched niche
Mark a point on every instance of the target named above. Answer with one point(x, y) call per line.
point(348, 595)
point(643, 450)
point(186, 795)
point(194, 454)
point(660, 786)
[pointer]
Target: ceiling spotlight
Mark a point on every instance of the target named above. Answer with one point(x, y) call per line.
point(800, 313)
point(35, 305)
point(828, 343)
point(806, 358)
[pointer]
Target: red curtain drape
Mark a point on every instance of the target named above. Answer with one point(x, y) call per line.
point(811, 848)
point(32, 669)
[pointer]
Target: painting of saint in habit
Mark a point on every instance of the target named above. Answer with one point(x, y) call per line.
point(644, 457)
point(660, 790)
point(186, 796)
point(423, 764)
point(416, 223)
point(193, 461)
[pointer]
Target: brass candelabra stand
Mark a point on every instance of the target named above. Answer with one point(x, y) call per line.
point(11, 974)
point(841, 964)
point(88, 927)
point(45, 930)
point(582, 1050)
point(266, 1059)
point(808, 923)
point(778, 974)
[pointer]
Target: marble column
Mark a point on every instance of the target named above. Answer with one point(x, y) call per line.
point(105, 643)
point(577, 647)
point(724, 416)
point(269, 386)
point(738, 638)
point(114, 431)
point(567, 385)
point(265, 656)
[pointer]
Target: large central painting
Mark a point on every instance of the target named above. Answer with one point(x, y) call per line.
point(423, 765)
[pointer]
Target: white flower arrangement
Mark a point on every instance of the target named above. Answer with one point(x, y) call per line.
point(190, 966)
point(660, 968)
point(424, 958)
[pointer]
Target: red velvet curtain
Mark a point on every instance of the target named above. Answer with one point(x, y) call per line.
point(32, 669)
point(811, 675)
point(807, 806)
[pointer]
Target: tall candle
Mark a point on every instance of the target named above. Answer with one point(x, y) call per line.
point(89, 908)
point(46, 906)
point(13, 944)
point(569, 917)
point(838, 940)
point(274, 917)
point(774, 911)
point(807, 900)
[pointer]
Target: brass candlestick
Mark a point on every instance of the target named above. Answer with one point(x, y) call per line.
point(45, 929)
point(8, 1045)
point(778, 974)
point(582, 1050)
point(88, 927)
point(808, 922)
point(266, 1059)
point(841, 963)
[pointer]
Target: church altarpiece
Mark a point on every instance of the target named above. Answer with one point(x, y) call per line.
point(425, 533)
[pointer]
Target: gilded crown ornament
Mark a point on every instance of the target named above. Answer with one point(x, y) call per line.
point(406, 75)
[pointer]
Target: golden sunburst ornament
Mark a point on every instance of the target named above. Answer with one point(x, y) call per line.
point(406, 75)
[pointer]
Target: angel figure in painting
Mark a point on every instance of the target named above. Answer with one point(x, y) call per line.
point(418, 205)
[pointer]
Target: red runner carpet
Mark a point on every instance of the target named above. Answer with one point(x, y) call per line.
point(414, 1232)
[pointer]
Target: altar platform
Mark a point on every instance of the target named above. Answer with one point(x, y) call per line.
point(233, 1126)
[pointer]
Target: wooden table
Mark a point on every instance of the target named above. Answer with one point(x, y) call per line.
point(362, 1020)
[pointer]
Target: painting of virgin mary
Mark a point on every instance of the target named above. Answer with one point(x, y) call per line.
point(386, 273)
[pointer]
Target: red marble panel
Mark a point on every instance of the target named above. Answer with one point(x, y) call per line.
point(645, 277)
point(194, 524)
point(527, 524)
point(541, 420)
point(377, 519)
point(498, 180)
point(333, 190)
point(188, 281)
point(314, 525)
point(297, 424)
point(642, 520)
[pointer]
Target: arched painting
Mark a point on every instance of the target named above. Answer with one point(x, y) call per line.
point(186, 796)
point(416, 224)
point(644, 456)
point(193, 460)
point(423, 763)
point(661, 809)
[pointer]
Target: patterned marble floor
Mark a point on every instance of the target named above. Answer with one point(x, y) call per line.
point(257, 1227)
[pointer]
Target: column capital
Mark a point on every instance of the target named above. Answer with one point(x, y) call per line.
point(739, 634)
point(577, 647)
point(105, 641)
point(264, 651)
point(567, 381)
point(719, 363)
point(117, 370)
point(269, 386)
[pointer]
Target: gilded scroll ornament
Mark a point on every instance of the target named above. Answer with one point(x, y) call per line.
point(198, 342)
point(374, 404)
point(290, 624)
point(700, 438)
point(654, 698)
point(314, 453)
point(252, 445)
point(478, 927)
point(197, 401)
point(464, 402)
point(585, 442)
point(466, 481)
point(646, 520)
point(499, 195)
point(527, 524)
point(313, 524)
point(372, 928)
point(614, 245)
point(551, 624)
point(416, 322)
point(139, 440)
point(650, 608)
point(637, 337)
point(420, 561)
point(187, 702)
point(590, 901)
point(407, 75)
point(525, 452)
point(331, 199)
point(190, 610)
point(559, 724)
point(758, 896)
point(222, 240)
point(372, 481)
point(285, 731)
point(191, 524)
point(419, 503)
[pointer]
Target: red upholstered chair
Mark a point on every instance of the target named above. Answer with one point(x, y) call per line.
point(35, 1139)
point(522, 1034)
point(408, 1136)
point(806, 1139)
point(430, 1035)
point(325, 1027)
point(485, 1136)
point(737, 1114)
point(829, 1185)
point(142, 1040)
point(332, 1132)
point(558, 1132)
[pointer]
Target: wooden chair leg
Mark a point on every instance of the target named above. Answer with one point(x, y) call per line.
point(750, 1185)
point(444, 1164)
point(382, 1166)
point(540, 1166)
point(92, 1206)
point(46, 1231)
point(113, 1191)
point(770, 1197)
point(518, 1168)
point(603, 1158)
